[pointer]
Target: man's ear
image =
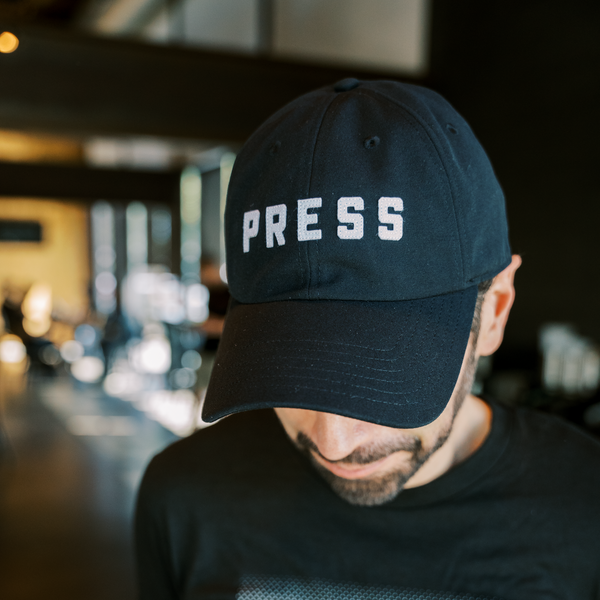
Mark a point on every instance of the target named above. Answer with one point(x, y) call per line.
point(496, 307)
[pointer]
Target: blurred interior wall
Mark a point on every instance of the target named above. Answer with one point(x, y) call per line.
point(382, 34)
point(525, 76)
point(24, 147)
point(61, 259)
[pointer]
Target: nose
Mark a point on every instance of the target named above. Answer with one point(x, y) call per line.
point(335, 436)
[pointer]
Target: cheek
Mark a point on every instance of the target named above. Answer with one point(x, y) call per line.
point(294, 420)
point(431, 434)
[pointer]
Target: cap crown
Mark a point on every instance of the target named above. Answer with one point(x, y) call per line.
point(421, 212)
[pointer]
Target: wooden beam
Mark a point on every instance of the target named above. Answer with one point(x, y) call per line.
point(62, 81)
point(83, 183)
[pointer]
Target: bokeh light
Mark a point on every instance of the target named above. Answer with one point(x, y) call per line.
point(177, 411)
point(71, 351)
point(12, 349)
point(197, 296)
point(86, 335)
point(88, 369)
point(106, 283)
point(37, 310)
point(123, 384)
point(152, 355)
point(101, 425)
point(9, 42)
point(183, 378)
point(36, 328)
point(50, 355)
point(191, 360)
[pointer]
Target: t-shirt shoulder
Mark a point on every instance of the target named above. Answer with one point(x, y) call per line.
point(218, 454)
point(549, 443)
point(558, 437)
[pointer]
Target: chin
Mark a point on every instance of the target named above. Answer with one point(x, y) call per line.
point(372, 491)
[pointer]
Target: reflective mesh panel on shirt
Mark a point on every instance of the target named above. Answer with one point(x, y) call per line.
point(271, 588)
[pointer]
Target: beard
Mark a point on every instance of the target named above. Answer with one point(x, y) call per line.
point(381, 489)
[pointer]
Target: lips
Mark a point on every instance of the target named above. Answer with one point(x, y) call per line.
point(352, 471)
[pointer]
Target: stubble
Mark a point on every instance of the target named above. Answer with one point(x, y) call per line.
point(379, 490)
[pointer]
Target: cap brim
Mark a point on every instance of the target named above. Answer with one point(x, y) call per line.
point(390, 363)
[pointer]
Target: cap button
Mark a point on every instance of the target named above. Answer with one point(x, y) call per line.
point(345, 85)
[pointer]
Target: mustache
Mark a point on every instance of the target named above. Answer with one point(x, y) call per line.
point(366, 454)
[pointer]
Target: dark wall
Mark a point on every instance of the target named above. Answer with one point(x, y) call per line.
point(526, 75)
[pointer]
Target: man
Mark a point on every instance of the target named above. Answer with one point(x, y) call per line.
point(369, 268)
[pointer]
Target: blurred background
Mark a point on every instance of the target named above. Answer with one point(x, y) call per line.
point(119, 125)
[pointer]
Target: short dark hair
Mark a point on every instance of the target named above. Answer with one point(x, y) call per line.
point(482, 289)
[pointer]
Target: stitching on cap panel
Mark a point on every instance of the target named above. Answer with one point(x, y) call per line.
point(342, 373)
point(413, 357)
point(316, 358)
point(308, 377)
point(346, 383)
point(300, 264)
point(334, 343)
point(312, 164)
point(318, 267)
point(333, 391)
point(426, 128)
point(335, 362)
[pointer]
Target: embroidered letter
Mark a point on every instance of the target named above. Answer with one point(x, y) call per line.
point(356, 219)
point(394, 219)
point(275, 228)
point(305, 219)
point(251, 220)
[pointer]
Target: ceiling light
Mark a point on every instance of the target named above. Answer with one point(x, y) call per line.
point(9, 42)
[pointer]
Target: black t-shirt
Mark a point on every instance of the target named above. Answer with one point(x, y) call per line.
point(236, 511)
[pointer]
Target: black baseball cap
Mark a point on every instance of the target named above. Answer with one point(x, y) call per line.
point(360, 219)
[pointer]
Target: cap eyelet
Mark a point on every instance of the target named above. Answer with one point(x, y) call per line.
point(371, 142)
point(345, 85)
point(451, 128)
point(274, 149)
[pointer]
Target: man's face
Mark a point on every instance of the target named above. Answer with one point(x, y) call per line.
point(368, 464)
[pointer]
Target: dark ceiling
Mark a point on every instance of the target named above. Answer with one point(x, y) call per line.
point(43, 12)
